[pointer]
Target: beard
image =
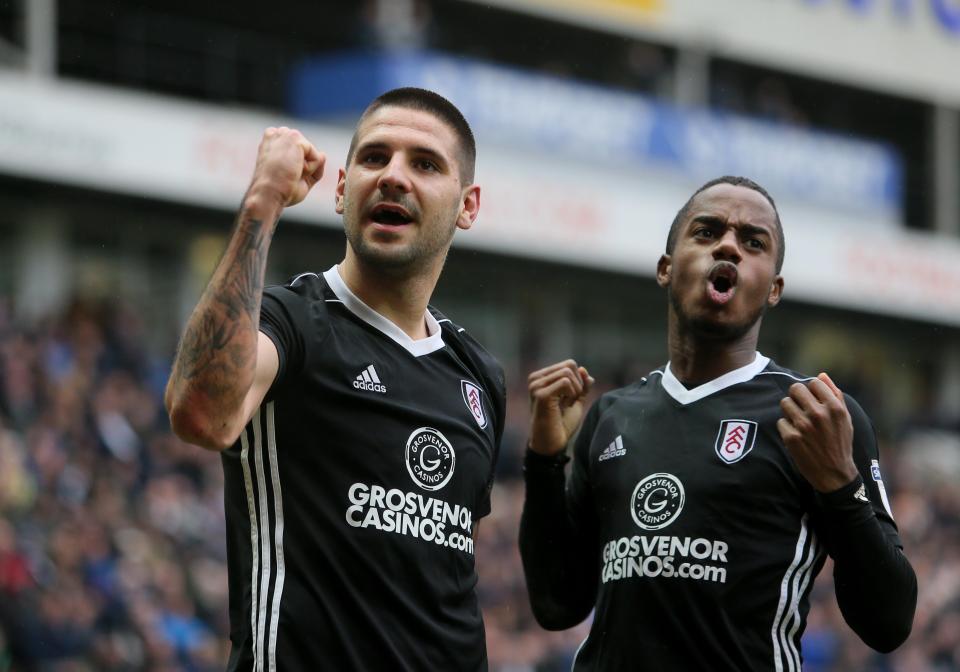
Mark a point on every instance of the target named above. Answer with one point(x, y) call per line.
point(433, 240)
point(712, 330)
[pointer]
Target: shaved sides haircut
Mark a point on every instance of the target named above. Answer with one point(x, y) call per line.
point(412, 98)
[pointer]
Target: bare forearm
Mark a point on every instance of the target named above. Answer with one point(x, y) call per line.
point(216, 365)
point(216, 360)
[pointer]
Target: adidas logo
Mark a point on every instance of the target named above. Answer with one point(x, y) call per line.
point(861, 494)
point(370, 381)
point(615, 449)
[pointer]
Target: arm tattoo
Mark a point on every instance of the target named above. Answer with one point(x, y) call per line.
point(219, 342)
point(246, 282)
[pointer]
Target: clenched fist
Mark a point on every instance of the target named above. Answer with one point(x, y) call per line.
point(557, 395)
point(817, 430)
point(287, 166)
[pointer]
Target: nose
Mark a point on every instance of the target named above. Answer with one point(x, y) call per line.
point(394, 177)
point(727, 247)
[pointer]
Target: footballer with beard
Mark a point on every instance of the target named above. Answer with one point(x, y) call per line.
point(358, 427)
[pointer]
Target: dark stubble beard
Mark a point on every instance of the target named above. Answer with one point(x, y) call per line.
point(403, 262)
point(710, 330)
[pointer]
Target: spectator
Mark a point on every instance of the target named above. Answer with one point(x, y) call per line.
point(111, 546)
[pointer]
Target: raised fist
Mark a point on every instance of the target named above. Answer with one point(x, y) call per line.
point(287, 166)
point(557, 395)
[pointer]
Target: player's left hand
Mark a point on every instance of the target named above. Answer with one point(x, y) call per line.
point(818, 432)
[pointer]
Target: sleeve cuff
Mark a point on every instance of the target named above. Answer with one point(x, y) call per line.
point(847, 506)
point(536, 462)
point(852, 491)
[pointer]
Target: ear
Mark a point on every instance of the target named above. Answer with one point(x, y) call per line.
point(776, 291)
point(469, 207)
point(664, 268)
point(341, 186)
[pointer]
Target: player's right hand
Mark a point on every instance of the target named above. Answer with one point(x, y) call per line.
point(287, 166)
point(557, 395)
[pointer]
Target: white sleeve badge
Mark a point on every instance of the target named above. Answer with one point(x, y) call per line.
point(875, 472)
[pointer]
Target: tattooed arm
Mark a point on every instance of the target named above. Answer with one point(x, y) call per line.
point(224, 365)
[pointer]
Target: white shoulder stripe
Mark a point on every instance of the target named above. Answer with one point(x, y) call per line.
point(788, 375)
point(302, 275)
point(460, 330)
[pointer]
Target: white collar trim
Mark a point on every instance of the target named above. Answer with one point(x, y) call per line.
point(423, 346)
point(676, 389)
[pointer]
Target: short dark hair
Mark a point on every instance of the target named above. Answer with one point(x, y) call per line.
point(736, 182)
point(413, 98)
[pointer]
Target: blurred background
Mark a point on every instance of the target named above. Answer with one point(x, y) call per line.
point(128, 130)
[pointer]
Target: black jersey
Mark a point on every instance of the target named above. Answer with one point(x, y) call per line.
point(705, 535)
point(352, 495)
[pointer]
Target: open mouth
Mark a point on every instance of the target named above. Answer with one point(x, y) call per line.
point(722, 282)
point(391, 215)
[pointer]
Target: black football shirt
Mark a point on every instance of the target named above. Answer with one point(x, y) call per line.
point(352, 495)
point(706, 536)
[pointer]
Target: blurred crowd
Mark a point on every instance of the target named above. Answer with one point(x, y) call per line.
point(112, 549)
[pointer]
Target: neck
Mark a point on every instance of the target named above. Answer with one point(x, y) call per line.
point(696, 359)
point(400, 298)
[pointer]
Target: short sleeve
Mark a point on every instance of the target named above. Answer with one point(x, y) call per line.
point(281, 319)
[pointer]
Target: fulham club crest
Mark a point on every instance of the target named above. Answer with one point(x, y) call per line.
point(735, 439)
point(471, 397)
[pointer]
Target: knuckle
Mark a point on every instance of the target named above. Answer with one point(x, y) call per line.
point(837, 410)
point(795, 424)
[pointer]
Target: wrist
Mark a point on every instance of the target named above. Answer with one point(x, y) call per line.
point(264, 201)
point(539, 448)
point(843, 493)
point(846, 508)
point(543, 461)
point(838, 480)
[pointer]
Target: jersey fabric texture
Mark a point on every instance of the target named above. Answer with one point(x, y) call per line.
point(352, 495)
point(706, 538)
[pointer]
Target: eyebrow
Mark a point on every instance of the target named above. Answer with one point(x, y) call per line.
point(716, 222)
point(419, 149)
